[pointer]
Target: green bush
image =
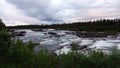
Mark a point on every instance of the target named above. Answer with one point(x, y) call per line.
point(20, 55)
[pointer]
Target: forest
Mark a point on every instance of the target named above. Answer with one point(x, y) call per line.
point(98, 25)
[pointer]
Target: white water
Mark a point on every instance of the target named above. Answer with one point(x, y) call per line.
point(52, 42)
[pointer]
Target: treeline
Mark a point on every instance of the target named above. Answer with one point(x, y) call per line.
point(98, 25)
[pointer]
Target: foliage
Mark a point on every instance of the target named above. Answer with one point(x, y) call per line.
point(2, 25)
point(4, 40)
point(74, 46)
point(108, 25)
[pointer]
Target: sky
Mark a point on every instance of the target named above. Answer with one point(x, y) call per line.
point(25, 12)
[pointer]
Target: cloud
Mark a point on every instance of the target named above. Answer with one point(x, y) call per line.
point(13, 16)
point(56, 11)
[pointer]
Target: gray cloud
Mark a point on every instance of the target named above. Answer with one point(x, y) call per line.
point(51, 11)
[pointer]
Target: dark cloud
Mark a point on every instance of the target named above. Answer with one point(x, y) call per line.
point(51, 11)
point(36, 8)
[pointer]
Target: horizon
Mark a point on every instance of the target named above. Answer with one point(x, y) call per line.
point(29, 12)
point(64, 22)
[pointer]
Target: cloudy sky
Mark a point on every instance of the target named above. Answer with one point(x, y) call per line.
point(20, 12)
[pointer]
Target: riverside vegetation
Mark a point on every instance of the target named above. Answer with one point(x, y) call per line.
point(16, 54)
point(108, 25)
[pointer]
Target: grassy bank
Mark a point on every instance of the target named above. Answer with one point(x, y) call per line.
point(19, 55)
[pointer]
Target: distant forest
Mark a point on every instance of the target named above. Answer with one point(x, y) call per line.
point(98, 25)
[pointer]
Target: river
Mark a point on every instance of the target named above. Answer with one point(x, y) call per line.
point(59, 40)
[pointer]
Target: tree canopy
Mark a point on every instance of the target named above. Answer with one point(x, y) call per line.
point(98, 25)
point(2, 25)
